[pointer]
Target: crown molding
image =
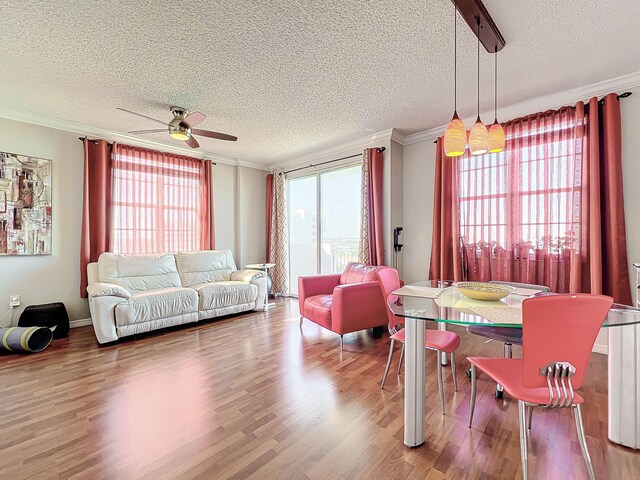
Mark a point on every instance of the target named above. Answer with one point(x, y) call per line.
point(540, 104)
point(398, 137)
point(86, 130)
point(344, 148)
point(255, 165)
point(424, 136)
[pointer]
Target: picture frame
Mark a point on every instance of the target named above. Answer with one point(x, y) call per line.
point(25, 205)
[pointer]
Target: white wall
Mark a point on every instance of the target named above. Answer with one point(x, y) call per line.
point(224, 196)
point(631, 178)
point(251, 242)
point(55, 277)
point(418, 173)
point(395, 203)
point(239, 196)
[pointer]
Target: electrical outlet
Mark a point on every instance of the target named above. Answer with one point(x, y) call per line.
point(14, 300)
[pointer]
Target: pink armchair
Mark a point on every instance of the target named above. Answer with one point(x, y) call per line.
point(343, 303)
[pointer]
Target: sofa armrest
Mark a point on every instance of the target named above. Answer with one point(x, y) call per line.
point(246, 275)
point(358, 306)
point(254, 277)
point(316, 285)
point(102, 310)
point(103, 289)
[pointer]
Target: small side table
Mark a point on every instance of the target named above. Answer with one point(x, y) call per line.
point(265, 267)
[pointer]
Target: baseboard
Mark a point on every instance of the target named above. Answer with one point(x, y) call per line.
point(81, 322)
point(601, 348)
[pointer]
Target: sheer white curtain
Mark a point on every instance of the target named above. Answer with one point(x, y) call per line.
point(160, 202)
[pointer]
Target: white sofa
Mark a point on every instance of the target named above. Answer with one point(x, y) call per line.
point(130, 294)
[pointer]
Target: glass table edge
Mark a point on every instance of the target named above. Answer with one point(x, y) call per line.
point(616, 308)
point(460, 323)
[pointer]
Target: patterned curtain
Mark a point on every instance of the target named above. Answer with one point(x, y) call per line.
point(363, 254)
point(371, 251)
point(278, 241)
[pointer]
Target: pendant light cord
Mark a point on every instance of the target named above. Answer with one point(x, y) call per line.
point(455, 56)
point(495, 84)
point(478, 19)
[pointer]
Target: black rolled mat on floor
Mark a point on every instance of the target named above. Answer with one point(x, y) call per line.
point(24, 339)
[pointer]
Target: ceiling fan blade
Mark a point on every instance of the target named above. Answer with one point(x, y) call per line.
point(141, 115)
point(193, 119)
point(219, 136)
point(159, 130)
point(192, 142)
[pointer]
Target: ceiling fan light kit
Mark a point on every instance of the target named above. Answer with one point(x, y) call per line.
point(480, 139)
point(181, 127)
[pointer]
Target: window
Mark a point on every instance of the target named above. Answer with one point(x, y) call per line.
point(324, 222)
point(157, 202)
point(520, 209)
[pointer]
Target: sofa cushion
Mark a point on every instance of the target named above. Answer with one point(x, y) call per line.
point(156, 304)
point(225, 294)
point(318, 309)
point(138, 273)
point(205, 266)
point(358, 273)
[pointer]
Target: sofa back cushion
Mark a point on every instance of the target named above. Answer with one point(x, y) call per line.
point(205, 266)
point(138, 273)
point(358, 273)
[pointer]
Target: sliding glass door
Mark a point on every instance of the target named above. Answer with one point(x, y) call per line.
point(302, 196)
point(324, 222)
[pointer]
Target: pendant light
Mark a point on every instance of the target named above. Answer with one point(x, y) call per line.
point(496, 132)
point(455, 136)
point(479, 136)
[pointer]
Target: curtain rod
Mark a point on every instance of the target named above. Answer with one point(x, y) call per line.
point(601, 101)
point(109, 143)
point(379, 149)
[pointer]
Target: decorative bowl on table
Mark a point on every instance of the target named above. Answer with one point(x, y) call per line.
point(484, 291)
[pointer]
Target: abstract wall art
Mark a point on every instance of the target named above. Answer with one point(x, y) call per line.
point(25, 205)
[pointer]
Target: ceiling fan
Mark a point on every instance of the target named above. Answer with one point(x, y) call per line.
point(181, 127)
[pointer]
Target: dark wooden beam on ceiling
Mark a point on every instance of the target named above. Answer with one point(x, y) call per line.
point(490, 36)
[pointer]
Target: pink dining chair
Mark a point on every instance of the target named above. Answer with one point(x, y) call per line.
point(437, 340)
point(558, 335)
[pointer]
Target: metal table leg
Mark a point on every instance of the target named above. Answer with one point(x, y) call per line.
point(414, 383)
point(624, 386)
point(444, 360)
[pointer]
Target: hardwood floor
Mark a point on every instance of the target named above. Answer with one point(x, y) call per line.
point(255, 396)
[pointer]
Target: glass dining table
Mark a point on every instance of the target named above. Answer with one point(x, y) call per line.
point(440, 301)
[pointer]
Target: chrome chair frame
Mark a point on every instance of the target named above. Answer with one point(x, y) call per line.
point(561, 395)
point(395, 330)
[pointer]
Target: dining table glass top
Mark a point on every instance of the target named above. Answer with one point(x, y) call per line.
point(451, 306)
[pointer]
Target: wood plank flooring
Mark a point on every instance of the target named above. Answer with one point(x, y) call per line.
point(255, 396)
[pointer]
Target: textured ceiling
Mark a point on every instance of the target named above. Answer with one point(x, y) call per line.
point(290, 76)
